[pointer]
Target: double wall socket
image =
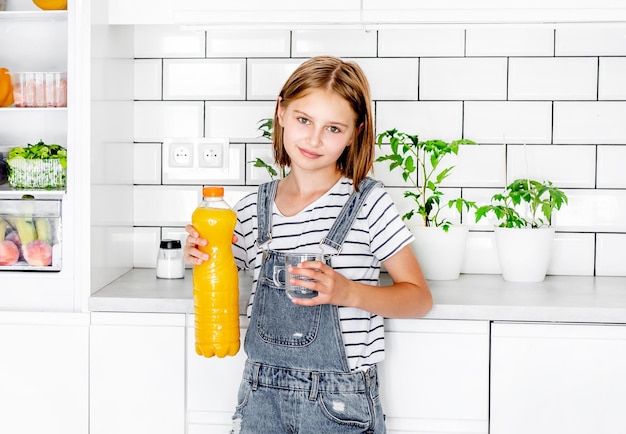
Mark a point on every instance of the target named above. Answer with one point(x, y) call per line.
point(191, 159)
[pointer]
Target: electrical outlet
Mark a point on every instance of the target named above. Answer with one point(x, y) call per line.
point(201, 160)
point(181, 155)
point(211, 154)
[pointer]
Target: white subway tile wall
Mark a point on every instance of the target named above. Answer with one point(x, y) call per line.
point(539, 101)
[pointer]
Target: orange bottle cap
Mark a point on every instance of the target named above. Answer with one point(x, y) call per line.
point(213, 191)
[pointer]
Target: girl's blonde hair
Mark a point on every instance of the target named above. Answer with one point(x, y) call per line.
point(348, 81)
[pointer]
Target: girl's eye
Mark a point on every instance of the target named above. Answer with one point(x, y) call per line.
point(304, 121)
point(334, 129)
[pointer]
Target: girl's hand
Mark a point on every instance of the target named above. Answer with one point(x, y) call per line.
point(192, 255)
point(407, 297)
point(331, 287)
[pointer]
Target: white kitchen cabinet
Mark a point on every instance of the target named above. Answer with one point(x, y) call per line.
point(240, 12)
point(44, 373)
point(212, 385)
point(137, 367)
point(356, 13)
point(558, 378)
point(435, 378)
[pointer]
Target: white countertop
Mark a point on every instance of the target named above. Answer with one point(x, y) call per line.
point(471, 297)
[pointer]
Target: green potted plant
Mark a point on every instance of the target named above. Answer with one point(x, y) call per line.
point(524, 234)
point(266, 127)
point(439, 245)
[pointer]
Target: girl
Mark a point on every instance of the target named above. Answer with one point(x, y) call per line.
point(311, 362)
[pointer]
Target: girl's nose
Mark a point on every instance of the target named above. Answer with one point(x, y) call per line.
point(315, 139)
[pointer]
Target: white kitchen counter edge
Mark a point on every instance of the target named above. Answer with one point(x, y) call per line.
point(580, 299)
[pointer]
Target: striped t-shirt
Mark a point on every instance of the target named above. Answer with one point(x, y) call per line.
point(377, 234)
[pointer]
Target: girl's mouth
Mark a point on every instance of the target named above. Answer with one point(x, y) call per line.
point(309, 154)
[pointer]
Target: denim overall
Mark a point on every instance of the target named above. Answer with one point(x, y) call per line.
point(296, 378)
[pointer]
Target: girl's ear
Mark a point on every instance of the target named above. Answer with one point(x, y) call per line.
point(280, 111)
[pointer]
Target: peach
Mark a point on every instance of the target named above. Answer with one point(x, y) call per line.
point(9, 253)
point(38, 253)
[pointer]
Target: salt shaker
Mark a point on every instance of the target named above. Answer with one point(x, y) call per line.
point(170, 263)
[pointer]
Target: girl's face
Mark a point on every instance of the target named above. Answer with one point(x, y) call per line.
point(316, 129)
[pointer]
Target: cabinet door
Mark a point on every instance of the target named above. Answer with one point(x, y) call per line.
point(137, 368)
point(212, 385)
point(44, 377)
point(435, 377)
point(239, 13)
point(558, 378)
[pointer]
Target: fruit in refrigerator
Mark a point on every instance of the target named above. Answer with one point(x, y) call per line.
point(4, 225)
point(44, 229)
point(51, 5)
point(38, 253)
point(6, 88)
point(25, 228)
point(9, 253)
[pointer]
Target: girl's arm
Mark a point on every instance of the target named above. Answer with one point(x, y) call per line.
point(408, 297)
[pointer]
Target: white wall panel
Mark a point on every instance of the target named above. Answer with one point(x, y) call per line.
point(463, 78)
point(391, 79)
point(146, 244)
point(611, 82)
point(429, 120)
point(147, 163)
point(591, 40)
point(593, 211)
point(265, 77)
point(590, 122)
point(611, 173)
point(573, 254)
point(236, 120)
point(206, 79)
point(429, 42)
point(154, 121)
point(248, 43)
point(168, 41)
point(499, 121)
point(148, 79)
point(537, 162)
point(610, 254)
point(571, 78)
point(509, 41)
point(343, 43)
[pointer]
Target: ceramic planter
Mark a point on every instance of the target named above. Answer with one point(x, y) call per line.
point(524, 254)
point(441, 254)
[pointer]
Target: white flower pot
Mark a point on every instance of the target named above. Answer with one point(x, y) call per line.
point(440, 254)
point(524, 254)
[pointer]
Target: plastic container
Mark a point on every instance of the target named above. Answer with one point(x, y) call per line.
point(30, 235)
point(170, 264)
point(36, 174)
point(39, 89)
point(216, 281)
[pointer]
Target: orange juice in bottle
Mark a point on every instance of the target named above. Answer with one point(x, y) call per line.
point(215, 281)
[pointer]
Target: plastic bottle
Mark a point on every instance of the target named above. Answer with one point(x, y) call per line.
point(215, 281)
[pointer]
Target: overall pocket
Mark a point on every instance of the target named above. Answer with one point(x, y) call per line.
point(279, 320)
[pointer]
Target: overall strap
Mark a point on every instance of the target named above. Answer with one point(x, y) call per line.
point(338, 232)
point(265, 201)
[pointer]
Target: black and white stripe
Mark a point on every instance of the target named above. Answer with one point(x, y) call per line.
point(377, 234)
